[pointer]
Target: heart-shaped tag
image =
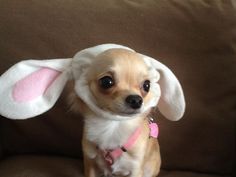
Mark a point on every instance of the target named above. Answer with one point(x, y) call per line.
point(154, 130)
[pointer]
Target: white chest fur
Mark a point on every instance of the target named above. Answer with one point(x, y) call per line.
point(109, 134)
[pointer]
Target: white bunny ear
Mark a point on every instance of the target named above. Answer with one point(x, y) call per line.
point(172, 102)
point(31, 87)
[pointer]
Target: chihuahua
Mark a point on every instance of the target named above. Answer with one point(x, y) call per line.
point(119, 144)
point(115, 89)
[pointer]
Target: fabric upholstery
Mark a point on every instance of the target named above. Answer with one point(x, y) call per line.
point(194, 38)
point(51, 166)
point(42, 166)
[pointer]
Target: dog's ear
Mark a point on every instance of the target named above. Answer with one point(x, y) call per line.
point(171, 103)
point(31, 87)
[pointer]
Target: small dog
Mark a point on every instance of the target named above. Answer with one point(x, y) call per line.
point(119, 144)
point(115, 89)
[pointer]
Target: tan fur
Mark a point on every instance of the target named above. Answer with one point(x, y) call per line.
point(129, 73)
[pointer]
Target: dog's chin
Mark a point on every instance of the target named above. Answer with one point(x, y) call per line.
point(118, 113)
point(130, 112)
point(126, 112)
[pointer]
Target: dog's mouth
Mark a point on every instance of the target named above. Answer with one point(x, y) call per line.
point(116, 111)
point(130, 112)
point(127, 112)
point(121, 109)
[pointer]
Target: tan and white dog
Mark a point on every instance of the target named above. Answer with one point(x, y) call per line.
point(115, 88)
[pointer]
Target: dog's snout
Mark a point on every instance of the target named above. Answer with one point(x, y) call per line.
point(134, 101)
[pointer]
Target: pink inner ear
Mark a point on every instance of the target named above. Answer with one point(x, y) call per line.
point(34, 85)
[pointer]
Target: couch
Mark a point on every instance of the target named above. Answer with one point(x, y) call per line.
point(195, 38)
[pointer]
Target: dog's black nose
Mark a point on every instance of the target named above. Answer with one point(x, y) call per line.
point(134, 101)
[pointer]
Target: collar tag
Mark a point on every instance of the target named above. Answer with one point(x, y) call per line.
point(154, 130)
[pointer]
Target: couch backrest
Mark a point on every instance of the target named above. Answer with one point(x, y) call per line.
point(196, 39)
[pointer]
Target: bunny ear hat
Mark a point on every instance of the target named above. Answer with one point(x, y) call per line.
point(31, 87)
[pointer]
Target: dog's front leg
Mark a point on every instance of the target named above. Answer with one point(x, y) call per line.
point(136, 173)
point(89, 168)
point(89, 151)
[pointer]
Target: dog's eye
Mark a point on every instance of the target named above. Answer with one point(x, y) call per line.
point(146, 85)
point(106, 82)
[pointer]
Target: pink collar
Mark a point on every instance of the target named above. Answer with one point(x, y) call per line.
point(111, 155)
